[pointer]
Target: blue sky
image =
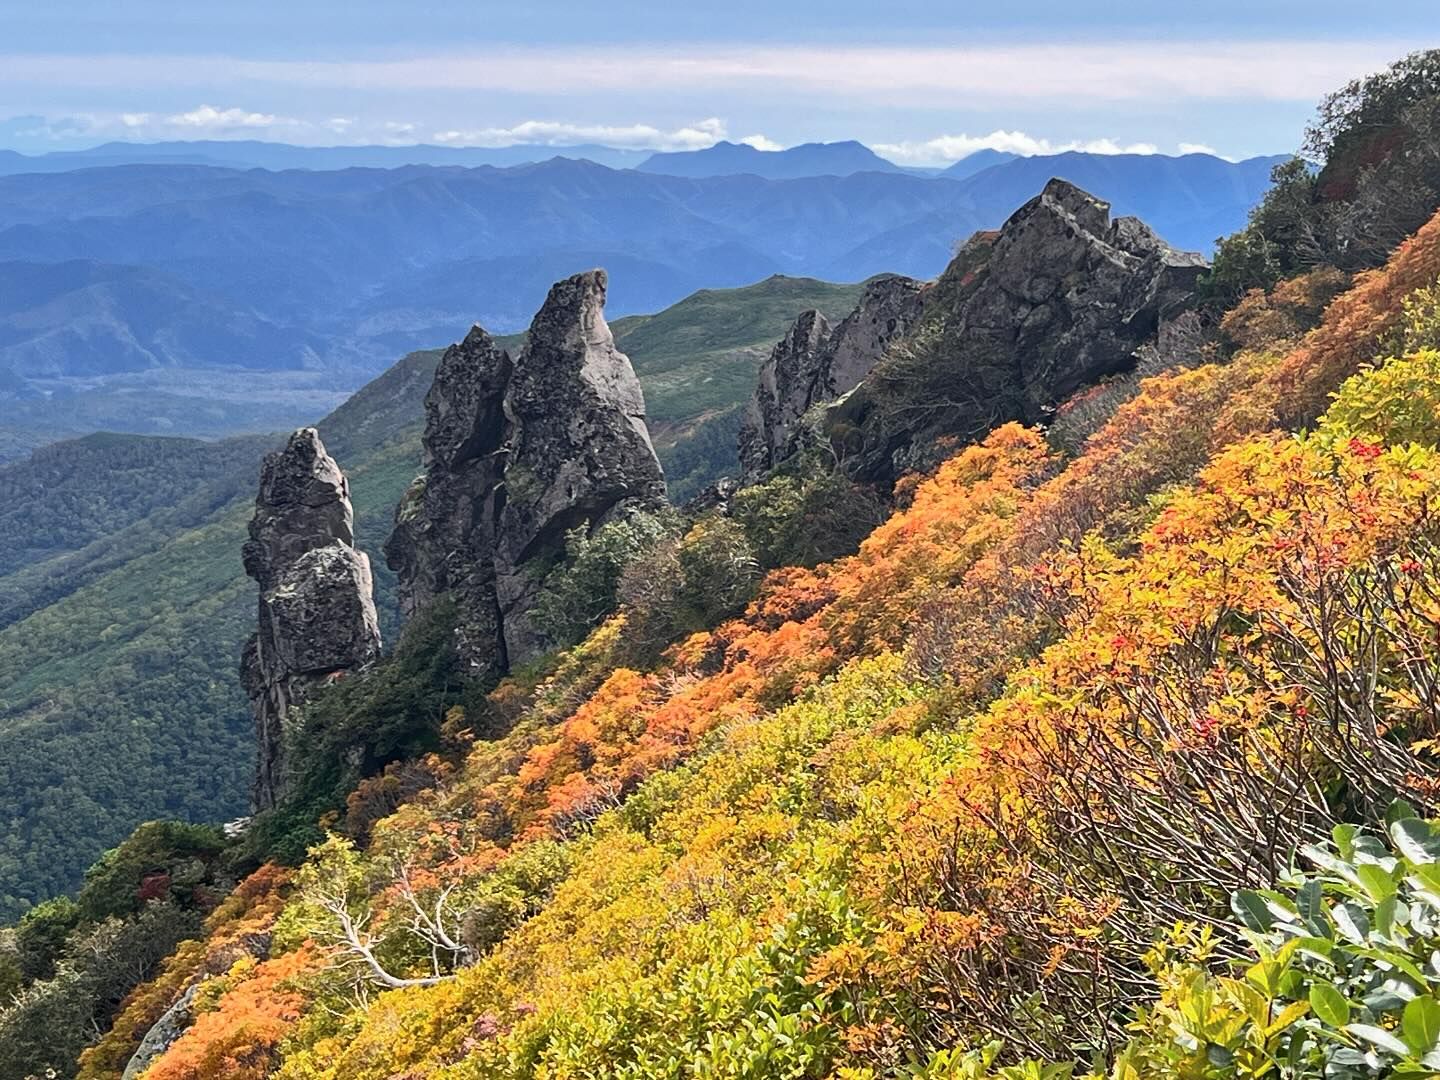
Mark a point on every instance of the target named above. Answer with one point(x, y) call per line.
point(922, 82)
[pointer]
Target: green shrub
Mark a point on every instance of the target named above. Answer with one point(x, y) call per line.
point(581, 593)
point(1347, 980)
point(806, 519)
point(40, 937)
point(1419, 327)
point(160, 860)
point(52, 1020)
point(686, 585)
point(1396, 403)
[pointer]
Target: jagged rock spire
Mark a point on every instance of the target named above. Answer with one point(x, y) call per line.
point(316, 611)
point(1057, 298)
point(579, 445)
point(518, 452)
point(814, 363)
point(443, 543)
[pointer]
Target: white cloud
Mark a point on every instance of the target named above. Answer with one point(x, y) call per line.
point(209, 118)
point(340, 124)
point(695, 136)
point(135, 120)
point(947, 148)
point(761, 142)
point(1204, 148)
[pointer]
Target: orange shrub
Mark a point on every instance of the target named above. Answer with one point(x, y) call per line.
point(240, 1039)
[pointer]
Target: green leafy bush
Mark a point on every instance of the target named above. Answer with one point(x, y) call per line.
point(52, 1020)
point(580, 593)
point(1396, 403)
point(806, 517)
point(1419, 327)
point(160, 860)
point(40, 937)
point(1347, 980)
point(686, 585)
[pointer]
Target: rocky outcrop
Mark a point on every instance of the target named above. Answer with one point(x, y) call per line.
point(814, 363)
point(1059, 297)
point(316, 612)
point(165, 1032)
point(443, 543)
point(517, 453)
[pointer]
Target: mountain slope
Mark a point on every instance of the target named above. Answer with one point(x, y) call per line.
point(85, 318)
point(68, 495)
point(123, 604)
point(119, 699)
point(701, 355)
point(1051, 706)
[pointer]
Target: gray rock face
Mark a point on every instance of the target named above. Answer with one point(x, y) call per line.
point(1059, 297)
point(443, 541)
point(166, 1031)
point(316, 611)
point(517, 453)
point(814, 363)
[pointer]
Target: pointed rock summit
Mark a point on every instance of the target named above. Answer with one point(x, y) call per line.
point(1057, 298)
point(517, 453)
point(814, 364)
point(443, 543)
point(316, 612)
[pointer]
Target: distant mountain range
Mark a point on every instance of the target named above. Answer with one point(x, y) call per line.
point(321, 277)
point(82, 317)
point(254, 154)
point(977, 162)
point(808, 159)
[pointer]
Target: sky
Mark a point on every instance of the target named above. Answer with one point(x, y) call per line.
point(924, 83)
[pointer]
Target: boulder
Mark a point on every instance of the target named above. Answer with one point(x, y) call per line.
point(316, 609)
point(164, 1033)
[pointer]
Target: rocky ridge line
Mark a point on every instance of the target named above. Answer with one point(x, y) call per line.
point(1058, 298)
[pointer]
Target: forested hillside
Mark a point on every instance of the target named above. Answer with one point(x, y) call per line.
point(122, 593)
point(1108, 752)
point(118, 695)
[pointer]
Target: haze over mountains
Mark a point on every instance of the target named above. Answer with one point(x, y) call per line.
point(314, 266)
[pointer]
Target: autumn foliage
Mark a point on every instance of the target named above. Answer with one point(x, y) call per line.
point(949, 789)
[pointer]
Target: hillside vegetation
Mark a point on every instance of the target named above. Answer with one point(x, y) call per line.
point(122, 597)
point(814, 841)
point(1109, 752)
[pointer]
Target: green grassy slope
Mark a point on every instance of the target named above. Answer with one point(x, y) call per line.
point(700, 356)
